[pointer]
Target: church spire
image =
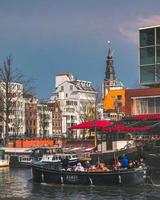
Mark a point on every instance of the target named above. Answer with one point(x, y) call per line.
point(110, 72)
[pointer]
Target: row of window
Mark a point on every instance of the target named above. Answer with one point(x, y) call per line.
point(146, 106)
point(30, 122)
point(57, 124)
point(56, 116)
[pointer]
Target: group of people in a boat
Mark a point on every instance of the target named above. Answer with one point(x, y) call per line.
point(121, 163)
point(124, 163)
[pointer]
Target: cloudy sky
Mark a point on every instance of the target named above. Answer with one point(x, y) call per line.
point(47, 37)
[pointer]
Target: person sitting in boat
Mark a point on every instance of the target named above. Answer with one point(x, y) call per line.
point(141, 163)
point(130, 164)
point(117, 164)
point(124, 161)
point(103, 167)
point(97, 166)
point(79, 167)
point(87, 164)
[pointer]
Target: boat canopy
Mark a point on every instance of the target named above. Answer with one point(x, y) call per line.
point(92, 124)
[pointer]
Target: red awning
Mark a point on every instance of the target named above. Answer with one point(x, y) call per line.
point(122, 127)
point(91, 124)
point(147, 116)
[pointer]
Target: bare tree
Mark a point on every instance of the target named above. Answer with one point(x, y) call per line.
point(44, 118)
point(12, 87)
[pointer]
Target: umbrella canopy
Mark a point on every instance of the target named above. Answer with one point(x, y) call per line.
point(92, 124)
point(122, 127)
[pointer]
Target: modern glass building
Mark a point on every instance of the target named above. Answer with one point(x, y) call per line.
point(149, 55)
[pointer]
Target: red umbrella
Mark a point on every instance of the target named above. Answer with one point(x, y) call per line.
point(91, 124)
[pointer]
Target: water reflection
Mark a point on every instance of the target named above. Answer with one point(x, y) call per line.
point(17, 184)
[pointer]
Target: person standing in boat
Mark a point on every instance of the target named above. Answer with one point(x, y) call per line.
point(65, 162)
point(124, 161)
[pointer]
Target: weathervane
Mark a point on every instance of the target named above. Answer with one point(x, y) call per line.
point(110, 53)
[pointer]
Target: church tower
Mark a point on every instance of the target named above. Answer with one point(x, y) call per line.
point(110, 76)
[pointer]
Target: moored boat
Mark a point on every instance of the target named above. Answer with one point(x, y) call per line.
point(4, 163)
point(56, 175)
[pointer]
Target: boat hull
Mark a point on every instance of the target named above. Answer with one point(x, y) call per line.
point(117, 177)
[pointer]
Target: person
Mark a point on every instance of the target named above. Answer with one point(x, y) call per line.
point(117, 164)
point(130, 164)
point(97, 165)
point(103, 167)
point(79, 167)
point(124, 161)
point(141, 163)
point(65, 162)
point(87, 164)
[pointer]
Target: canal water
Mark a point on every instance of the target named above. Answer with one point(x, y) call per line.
point(17, 184)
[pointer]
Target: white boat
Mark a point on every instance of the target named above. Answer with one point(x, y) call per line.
point(72, 158)
point(4, 163)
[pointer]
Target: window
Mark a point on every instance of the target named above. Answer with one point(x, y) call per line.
point(147, 74)
point(147, 37)
point(157, 102)
point(62, 88)
point(158, 54)
point(147, 56)
point(144, 107)
point(158, 35)
point(151, 106)
point(71, 87)
point(119, 97)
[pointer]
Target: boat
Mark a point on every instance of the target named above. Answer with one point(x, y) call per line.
point(65, 159)
point(4, 163)
point(150, 151)
point(56, 175)
point(23, 157)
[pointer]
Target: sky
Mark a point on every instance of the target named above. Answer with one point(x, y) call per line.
point(48, 37)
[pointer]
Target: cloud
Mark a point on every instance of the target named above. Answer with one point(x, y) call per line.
point(129, 29)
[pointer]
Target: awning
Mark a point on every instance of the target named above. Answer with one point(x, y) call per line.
point(147, 116)
point(91, 124)
point(122, 127)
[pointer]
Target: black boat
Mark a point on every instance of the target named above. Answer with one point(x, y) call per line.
point(53, 174)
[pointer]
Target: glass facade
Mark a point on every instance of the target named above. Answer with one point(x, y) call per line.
point(146, 106)
point(149, 54)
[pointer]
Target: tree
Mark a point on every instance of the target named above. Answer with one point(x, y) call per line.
point(44, 117)
point(12, 87)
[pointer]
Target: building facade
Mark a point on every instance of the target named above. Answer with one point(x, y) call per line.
point(30, 115)
point(76, 99)
point(142, 101)
point(44, 120)
point(16, 108)
point(149, 56)
point(56, 118)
